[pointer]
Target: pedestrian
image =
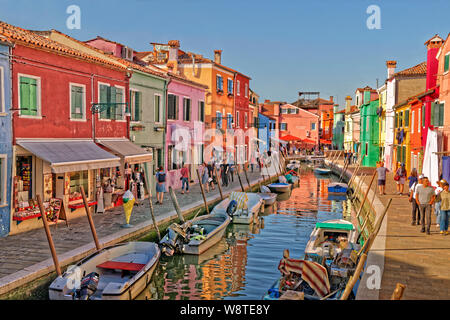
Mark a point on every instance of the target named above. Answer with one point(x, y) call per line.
point(415, 212)
point(212, 177)
point(381, 171)
point(400, 178)
point(184, 179)
point(232, 171)
point(437, 203)
point(205, 177)
point(224, 174)
point(412, 178)
point(160, 185)
point(444, 197)
point(425, 197)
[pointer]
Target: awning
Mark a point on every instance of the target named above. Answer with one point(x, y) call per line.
point(71, 155)
point(127, 150)
point(278, 140)
point(323, 141)
point(290, 138)
point(309, 141)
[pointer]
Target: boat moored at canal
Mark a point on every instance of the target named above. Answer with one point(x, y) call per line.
point(248, 207)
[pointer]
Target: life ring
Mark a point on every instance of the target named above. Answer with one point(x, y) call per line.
point(232, 207)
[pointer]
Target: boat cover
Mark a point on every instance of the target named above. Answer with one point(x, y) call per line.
point(340, 226)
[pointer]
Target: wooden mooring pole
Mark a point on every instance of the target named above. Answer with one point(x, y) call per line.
point(203, 192)
point(175, 204)
point(366, 194)
point(246, 178)
point(150, 201)
point(218, 182)
point(398, 292)
point(91, 222)
point(49, 236)
point(351, 283)
point(239, 178)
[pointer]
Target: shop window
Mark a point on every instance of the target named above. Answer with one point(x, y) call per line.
point(29, 95)
point(24, 169)
point(186, 109)
point(3, 179)
point(172, 107)
point(78, 180)
point(77, 102)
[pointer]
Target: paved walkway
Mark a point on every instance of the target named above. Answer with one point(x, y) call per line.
point(25, 253)
point(419, 261)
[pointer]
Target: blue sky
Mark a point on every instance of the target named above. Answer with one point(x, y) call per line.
point(284, 46)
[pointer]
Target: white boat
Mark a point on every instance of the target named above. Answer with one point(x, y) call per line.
point(245, 215)
point(279, 187)
point(322, 170)
point(118, 272)
point(329, 237)
point(195, 236)
point(269, 198)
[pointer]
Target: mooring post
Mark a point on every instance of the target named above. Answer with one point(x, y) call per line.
point(203, 192)
point(239, 178)
point(150, 201)
point(355, 277)
point(246, 178)
point(91, 222)
point(218, 182)
point(366, 194)
point(49, 236)
point(175, 204)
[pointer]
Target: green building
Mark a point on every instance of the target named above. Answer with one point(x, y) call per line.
point(338, 129)
point(369, 134)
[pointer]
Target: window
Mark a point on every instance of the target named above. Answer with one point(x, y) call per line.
point(2, 92)
point(400, 119)
point(3, 180)
point(283, 126)
point(218, 120)
point(229, 121)
point(135, 105)
point(172, 107)
point(313, 126)
point(119, 98)
point(237, 119)
point(238, 87)
point(245, 120)
point(230, 86)
point(284, 111)
point(406, 118)
point(111, 95)
point(437, 114)
point(446, 62)
point(158, 111)
point(423, 116)
point(201, 111)
point(219, 83)
point(413, 123)
point(78, 179)
point(246, 90)
point(186, 109)
point(77, 101)
point(29, 88)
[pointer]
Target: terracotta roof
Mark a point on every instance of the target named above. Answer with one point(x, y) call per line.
point(420, 69)
point(186, 80)
point(104, 39)
point(143, 54)
point(32, 39)
point(417, 96)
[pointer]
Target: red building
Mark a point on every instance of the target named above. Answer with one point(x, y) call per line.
point(242, 118)
point(54, 88)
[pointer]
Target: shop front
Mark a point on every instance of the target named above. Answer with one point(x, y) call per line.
point(129, 175)
point(56, 171)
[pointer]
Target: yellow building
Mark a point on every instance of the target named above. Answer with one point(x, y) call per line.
point(382, 123)
point(402, 136)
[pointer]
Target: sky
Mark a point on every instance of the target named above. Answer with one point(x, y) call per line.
point(284, 46)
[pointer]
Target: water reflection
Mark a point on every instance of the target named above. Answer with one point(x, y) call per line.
point(244, 263)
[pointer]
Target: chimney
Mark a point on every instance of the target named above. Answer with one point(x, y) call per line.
point(218, 56)
point(433, 46)
point(172, 62)
point(331, 98)
point(391, 65)
point(348, 102)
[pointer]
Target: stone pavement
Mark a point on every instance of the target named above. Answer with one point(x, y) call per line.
point(26, 255)
point(419, 261)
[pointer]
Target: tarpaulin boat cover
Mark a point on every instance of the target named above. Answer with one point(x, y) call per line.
point(127, 150)
point(71, 155)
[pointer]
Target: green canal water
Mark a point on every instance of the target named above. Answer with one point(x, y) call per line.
point(243, 265)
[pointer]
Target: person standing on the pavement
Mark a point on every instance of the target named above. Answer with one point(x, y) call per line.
point(425, 197)
point(437, 203)
point(444, 197)
point(160, 185)
point(211, 175)
point(400, 174)
point(415, 212)
point(184, 179)
point(381, 171)
point(205, 177)
point(224, 173)
point(232, 171)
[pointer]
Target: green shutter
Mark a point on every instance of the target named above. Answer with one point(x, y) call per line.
point(447, 62)
point(407, 118)
point(104, 94)
point(432, 122)
point(423, 116)
point(441, 114)
point(33, 97)
point(119, 107)
point(24, 96)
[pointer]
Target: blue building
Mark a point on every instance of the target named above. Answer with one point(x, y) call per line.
point(265, 125)
point(5, 139)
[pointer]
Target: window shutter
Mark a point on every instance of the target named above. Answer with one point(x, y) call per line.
point(104, 93)
point(137, 108)
point(447, 62)
point(407, 118)
point(24, 96)
point(119, 108)
point(177, 106)
point(441, 114)
point(423, 116)
point(170, 109)
point(33, 96)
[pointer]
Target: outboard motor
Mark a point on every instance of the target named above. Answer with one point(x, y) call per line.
point(232, 207)
point(169, 242)
point(88, 286)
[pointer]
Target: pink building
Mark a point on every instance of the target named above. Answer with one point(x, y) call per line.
point(300, 123)
point(185, 127)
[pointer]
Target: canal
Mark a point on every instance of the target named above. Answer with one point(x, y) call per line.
point(243, 265)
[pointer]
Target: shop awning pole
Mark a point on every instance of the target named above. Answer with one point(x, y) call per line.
point(49, 236)
point(91, 222)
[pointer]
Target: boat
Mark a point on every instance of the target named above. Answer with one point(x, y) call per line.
point(118, 272)
point(337, 188)
point(279, 187)
point(322, 170)
point(195, 236)
point(329, 238)
point(293, 165)
point(269, 198)
point(246, 212)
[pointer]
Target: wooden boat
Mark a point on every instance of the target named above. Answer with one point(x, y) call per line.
point(269, 198)
point(279, 187)
point(337, 188)
point(118, 272)
point(322, 170)
point(195, 236)
point(329, 237)
point(248, 214)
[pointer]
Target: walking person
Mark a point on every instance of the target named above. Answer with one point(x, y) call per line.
point(184, 179)
point(212, 178)
point(381, 172)
point(425, 197)
point(444, 198)
point(232, 171)
point(160, 185)
point(412, 178)
point(415, 212)
point(224, 174)
point(205, 177)
point(400, 178)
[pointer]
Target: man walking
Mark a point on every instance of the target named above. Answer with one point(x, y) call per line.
point(425, 198)
point(412, 198)
point(381, 171)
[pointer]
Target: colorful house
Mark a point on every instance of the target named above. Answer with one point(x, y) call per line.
point(339, 129)
point(382, 119)
point(6, 148)
point(348, 129)
point(55, 120)
point(402, 146)
point(299, 123)
point(369, 130)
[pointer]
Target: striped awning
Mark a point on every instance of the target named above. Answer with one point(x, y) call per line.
point(70, 155)
point(127, 150)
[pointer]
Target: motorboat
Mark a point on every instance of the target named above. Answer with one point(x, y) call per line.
point(246, 212)
point(118, 272)
point(279, 187)
point(337, 188)
point(269, 198)
point(322, 170)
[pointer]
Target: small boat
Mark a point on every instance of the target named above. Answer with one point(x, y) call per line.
point(118, 272)
point(195, 236)
point(247, 212)
point(269, 198)
point(322, 170)
point(337, 188)
point(329, 237)
point(279, 187)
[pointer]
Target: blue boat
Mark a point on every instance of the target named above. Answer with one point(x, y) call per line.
point(337, 188)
